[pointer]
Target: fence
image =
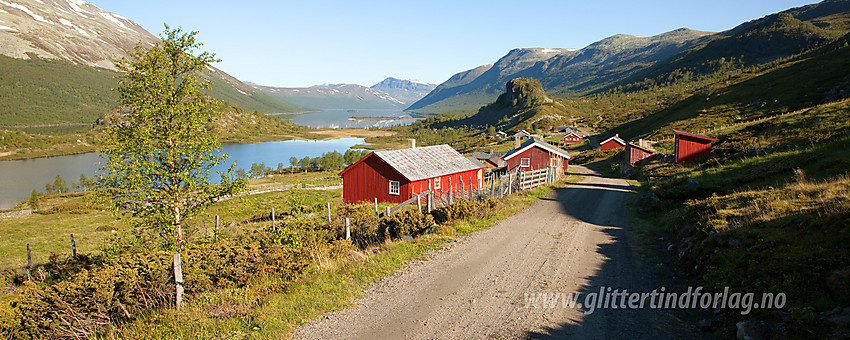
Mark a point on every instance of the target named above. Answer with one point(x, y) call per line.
point(724, 127)
point(492, 186)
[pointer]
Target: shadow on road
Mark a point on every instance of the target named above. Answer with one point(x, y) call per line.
point(603, 206)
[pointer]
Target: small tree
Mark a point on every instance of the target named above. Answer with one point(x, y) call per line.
point(58, 185)
point(33, 201)
point(160, 151)
point(293, 162)
point(305, 163)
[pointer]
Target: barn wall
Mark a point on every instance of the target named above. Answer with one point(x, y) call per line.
point(635, 155)
point(539, 159)
point(689, 148)
point(611, 145)
point(369, 179)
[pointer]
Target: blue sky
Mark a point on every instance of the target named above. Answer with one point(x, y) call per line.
point(304, 43)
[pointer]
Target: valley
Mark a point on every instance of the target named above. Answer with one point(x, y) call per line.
point(761, 209)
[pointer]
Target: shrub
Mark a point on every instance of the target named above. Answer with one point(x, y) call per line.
point(407, 222)
point(84, 296)
point(363, 224)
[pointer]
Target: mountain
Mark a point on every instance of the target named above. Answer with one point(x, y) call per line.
point(335, 96)
point(407, 91)
point(563, 72)
point(61, 63)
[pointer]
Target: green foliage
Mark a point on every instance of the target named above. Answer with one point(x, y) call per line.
point(160, 152)
point(363, 224)
point(463, 208)
point(33, 200)
point(91, 294)
point(404, 223)
point(258, 170)
point(58, 186)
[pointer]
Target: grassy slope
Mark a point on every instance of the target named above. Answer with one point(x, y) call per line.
point(50, 92)
point(770, 221)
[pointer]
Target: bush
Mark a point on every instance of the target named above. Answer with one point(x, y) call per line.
point(463, 208)
point(363, 224)
point(407, 222)
point(84, 296)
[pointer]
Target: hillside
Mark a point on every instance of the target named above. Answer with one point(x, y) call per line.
point(334, 96)
point(564, 72)
point(406, 91)
point(59, 59)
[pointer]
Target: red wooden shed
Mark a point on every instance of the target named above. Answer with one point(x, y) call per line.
point(638, 152)
point(689, 147)
point(614, 142)
point(536, 154)
point(394, 175)
point(572, 137)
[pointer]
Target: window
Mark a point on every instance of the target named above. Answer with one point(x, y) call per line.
point(555, 162)
point(437, 183)
point(394, 187)
point(525, 162)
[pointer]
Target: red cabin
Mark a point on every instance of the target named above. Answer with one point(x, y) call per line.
point(394, 175)
point(536, 154)
point(614, 142)
point(572, 138)
point(689, 147)
point(638, 152)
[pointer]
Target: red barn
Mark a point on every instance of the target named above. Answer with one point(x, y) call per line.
point(689, 147)
point(536, 154)
point(614, 142)
point(638, 152)
point(394, 175)
point(572, 137)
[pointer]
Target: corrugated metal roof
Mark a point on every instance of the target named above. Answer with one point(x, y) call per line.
point(427, 162)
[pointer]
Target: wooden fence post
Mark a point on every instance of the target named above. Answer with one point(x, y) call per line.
point(430, 201)
point(273, 226)
point(29, 262)
point(178, 281)
point(499, 186)
point(215, 234)
point(461, 186)
point(73, 246)
point(388, 212)
point(451, 190)
point(347, 229)
point(510, 182)
point(419, 203)
point(329, 212)
point(470, 190)
point(376, 206)
point(492, 188)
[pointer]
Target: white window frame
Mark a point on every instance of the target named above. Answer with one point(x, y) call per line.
point(397, 190)
point(436, 182)
point(524, 162)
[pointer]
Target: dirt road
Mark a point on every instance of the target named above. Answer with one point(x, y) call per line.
point(572, 241)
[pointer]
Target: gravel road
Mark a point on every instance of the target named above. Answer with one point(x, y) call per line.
point(572, 241)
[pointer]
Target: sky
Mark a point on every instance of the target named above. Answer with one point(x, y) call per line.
point(311, 42)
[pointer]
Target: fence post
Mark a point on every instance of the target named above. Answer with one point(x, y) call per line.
point(329, 212)
point(461, 186)
point(492, 187)
point(178, 281)
point(29, 261)
point(499, 186)
point(347, 229)
point(419, 203)
point(376, 207)
point(430, 201)
point(470, 190)
point(510, 182)
point(388, 212)
point(73, 246)
point(215, 235)
point(273, 226)
point(451, 191)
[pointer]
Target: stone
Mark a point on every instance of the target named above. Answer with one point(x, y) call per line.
point(692, 184)
point(704, 325)
point(407, 238)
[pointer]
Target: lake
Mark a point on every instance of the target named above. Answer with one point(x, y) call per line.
point(341, 118)
point(19, 178)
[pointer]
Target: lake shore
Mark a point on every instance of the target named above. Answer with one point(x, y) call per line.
point(71, 148)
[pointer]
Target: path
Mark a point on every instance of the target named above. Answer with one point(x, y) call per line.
point(573, 240)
